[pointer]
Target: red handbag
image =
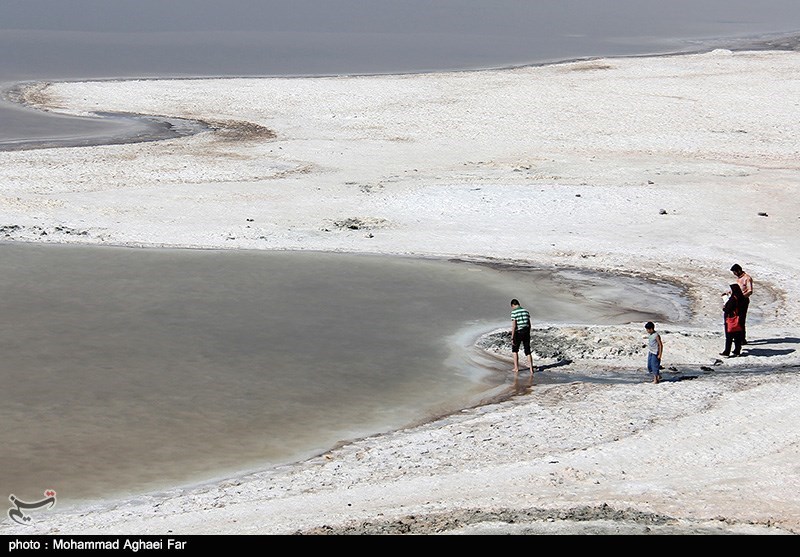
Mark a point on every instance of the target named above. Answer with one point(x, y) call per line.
point(732, 324)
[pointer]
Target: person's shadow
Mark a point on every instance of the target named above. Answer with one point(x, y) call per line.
point(554, 365)
point(767, 352)
point(679, 377)
point(785, 340)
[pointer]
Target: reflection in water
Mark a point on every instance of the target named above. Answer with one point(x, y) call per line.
point(126, 370)
point(523, 381)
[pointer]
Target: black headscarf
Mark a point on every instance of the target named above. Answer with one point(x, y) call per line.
point(735, 301)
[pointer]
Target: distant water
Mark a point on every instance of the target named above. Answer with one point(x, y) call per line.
point(126, 370)
point(95, 39)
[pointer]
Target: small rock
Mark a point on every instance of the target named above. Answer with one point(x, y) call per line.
point(662, 212)
point(763, 215)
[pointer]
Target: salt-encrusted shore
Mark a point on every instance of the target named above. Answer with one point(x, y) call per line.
point(669, 167)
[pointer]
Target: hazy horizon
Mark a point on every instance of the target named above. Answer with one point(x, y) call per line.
point(138, 38)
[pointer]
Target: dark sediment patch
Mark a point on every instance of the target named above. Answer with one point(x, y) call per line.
point(602, 520)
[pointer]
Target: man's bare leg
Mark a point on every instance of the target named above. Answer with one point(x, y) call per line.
point(530, 362)
point(516, 362)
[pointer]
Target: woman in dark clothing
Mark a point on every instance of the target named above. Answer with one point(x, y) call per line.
point(733, 335)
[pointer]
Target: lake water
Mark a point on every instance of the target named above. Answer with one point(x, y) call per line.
point(126, 370)
point(129, 369)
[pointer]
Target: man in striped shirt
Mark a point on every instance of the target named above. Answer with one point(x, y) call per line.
point(520, 333)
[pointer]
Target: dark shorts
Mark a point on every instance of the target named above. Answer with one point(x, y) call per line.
point(653, 364)
point(522, 336)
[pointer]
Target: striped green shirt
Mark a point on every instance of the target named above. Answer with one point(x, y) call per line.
point(522, 317)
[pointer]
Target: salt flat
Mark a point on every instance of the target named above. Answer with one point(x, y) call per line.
point(671, 168)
